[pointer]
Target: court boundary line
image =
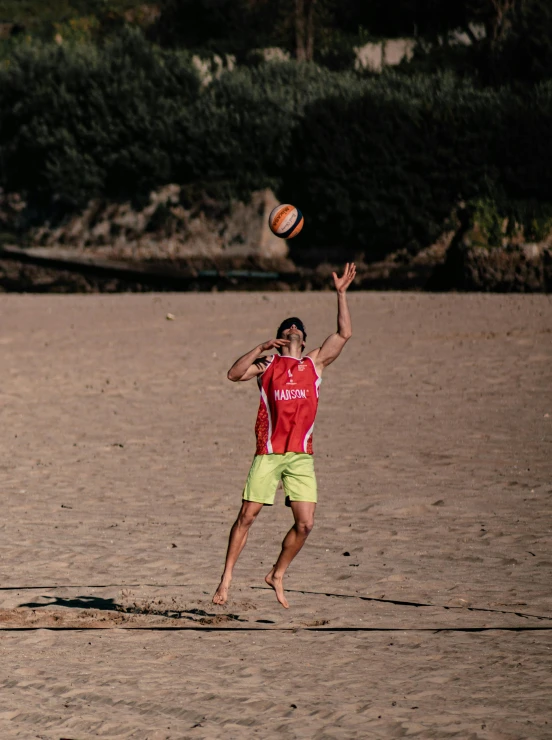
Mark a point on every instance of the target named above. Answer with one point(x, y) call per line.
point(410, 603)
point(395, 602)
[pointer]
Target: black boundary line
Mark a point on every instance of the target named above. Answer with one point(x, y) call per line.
point(289, 590)
point(409, 603)
point(155, 628)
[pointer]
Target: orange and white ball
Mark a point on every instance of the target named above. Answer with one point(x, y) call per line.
point(286, 221)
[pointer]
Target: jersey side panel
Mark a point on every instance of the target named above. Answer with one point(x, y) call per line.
point(263, 425)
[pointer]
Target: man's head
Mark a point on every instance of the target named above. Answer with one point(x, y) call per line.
point(290, 327)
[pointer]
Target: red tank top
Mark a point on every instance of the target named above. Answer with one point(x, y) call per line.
point(289, 401)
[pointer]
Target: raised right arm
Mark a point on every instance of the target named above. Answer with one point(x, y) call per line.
point(252, 364)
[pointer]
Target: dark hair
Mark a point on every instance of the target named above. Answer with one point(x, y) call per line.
point(288, 323)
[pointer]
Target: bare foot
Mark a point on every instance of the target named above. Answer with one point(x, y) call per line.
point(221, 594)
point(278, 586)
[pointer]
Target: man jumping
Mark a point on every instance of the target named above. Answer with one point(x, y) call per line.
point(289, 384)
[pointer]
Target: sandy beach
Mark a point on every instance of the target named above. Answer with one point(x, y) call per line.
point(421, 605)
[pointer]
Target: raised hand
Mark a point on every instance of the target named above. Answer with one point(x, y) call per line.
point(274, 343)
point(343, 282)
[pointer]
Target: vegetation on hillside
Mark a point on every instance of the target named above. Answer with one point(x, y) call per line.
point(101, 98)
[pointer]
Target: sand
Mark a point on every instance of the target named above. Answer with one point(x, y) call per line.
point(421, 605)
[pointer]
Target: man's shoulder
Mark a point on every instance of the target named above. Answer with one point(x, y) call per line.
point(313, 356)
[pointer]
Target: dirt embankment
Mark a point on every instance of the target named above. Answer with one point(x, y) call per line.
point(173, 243)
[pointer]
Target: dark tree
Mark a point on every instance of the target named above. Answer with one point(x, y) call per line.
point(238, 26)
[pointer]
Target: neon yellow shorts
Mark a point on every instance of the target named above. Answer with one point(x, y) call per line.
point(294, 469)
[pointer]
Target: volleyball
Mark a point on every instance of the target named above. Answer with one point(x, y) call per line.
point(286, 221)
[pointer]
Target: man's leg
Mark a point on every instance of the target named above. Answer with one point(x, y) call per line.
point(236, 543)
point(303, 513)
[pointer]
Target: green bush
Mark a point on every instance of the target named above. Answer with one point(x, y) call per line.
point(386, 169)
point(241, 125)
point(376, 164)
point(83, 121)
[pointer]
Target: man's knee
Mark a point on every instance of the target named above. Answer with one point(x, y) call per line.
point(304, 526)
point(246, 517)
point(246, 520)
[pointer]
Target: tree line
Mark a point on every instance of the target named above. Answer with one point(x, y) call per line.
point(510, 39)
point(376, 162)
